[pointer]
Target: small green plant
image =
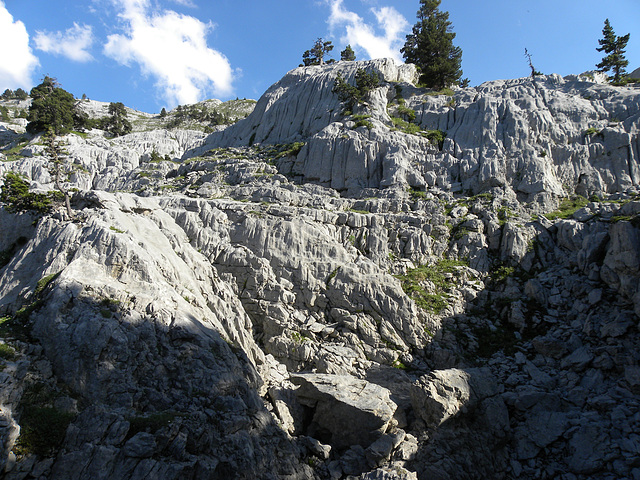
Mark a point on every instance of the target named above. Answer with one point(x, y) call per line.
point(407, 113)
point(42, 430)
point(500, 274)
point(290, 150)
point(438, 276)
point(44, 282)
point(333, 274)
point(406, 127)
point(115, 229)
point(399, 365)
point(568, 207)
point(436, 137)
point(417, 194)
point(445, 91)
point(298, 337)
point(7, 352)
point(504, 214)
point(591, 131)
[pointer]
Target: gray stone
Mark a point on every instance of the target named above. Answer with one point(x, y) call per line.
point(587, 449)
point(141, 445)
point(578, 360)
point(390, 473)
point(354, 412)
point(441, 395)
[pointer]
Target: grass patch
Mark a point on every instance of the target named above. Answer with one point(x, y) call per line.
point(504, 214)
point(362, 121)
point(298, 337)
point(406, 127)
point(444, 91)
point(438, 275)
point(42, 430)
point(568, 207)
point(332, 275)
point(591, 131)
point(416, 194)
point(407, 112)
point(362, 212)
point(7, 352)
point(500, 274)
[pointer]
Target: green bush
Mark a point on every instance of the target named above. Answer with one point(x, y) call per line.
point(42, 430)
point(409, 114)
point(436, 137)
point(351, 95)
point(16, 196)
point(7, 352)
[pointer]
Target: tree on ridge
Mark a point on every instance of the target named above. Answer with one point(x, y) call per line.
point(430, 47)
point(315, 56)
point(613, 46)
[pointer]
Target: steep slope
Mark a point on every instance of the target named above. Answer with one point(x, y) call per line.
point(300, 297)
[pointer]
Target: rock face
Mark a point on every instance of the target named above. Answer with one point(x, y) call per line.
point(298, 297)
point(352, 411)
point(536, 137)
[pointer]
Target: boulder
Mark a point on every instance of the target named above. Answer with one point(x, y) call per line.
point(346, 410)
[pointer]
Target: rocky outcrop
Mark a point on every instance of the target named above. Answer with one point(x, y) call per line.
point(365, 304)
point(542, 137)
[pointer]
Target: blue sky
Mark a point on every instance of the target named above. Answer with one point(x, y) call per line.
point(151, 54)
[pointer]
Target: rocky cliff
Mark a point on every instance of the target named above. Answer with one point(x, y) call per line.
point(434, 285)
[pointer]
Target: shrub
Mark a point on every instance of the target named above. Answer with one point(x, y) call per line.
point(592, 131)
point(7, 352)
point(351, 95)
point(436, 137)
point(42, 430)
point(408, 113)
point(16, 196)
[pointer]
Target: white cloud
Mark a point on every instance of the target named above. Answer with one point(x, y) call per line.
point(16, 60)
point(362, 35)
point(73, 43)
point(172, 48)
point(185, 3)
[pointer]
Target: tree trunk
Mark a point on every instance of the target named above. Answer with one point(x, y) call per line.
point(67, 203)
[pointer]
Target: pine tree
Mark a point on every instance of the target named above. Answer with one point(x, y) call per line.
point(348, 55)
point(20, 94)
point(614, 47)
point(118, 124)
point(316, 55)
point(59, 167)
point(430, 47)
point(52, 107)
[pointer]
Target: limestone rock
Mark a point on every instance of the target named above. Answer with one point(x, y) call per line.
point(346, 410)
